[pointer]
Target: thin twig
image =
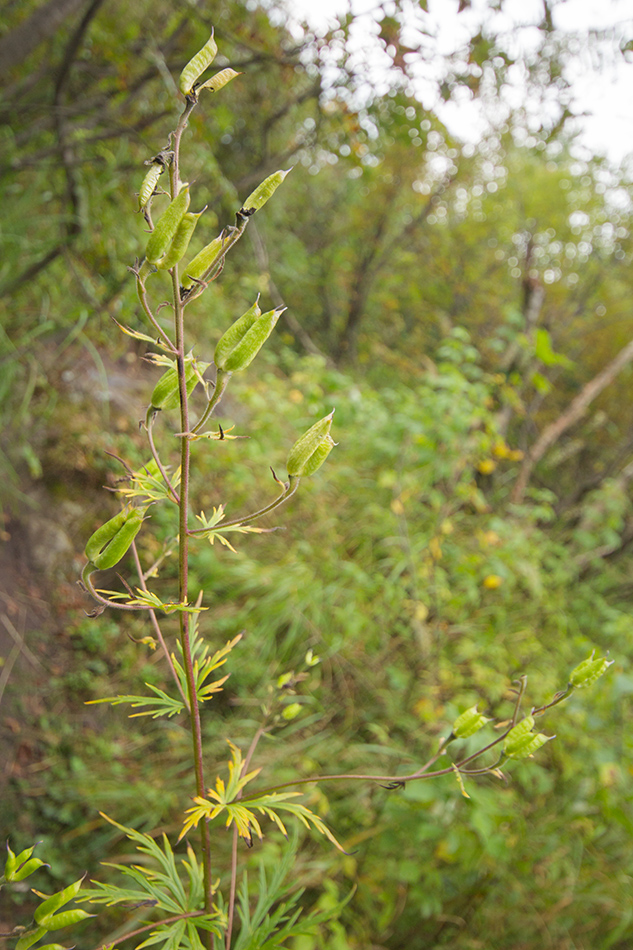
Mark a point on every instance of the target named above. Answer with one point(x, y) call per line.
point(8, 667)
point(231, 911)
point(522, 681)
point(156, 625)
point(19, 639)
point(86, 580)
point(232, 889)
point(142, 296)
point(220, 385)
point(421, 773)
point(288, 493)
point(149, 424)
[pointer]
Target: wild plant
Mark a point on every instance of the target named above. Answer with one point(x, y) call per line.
point(192, 902)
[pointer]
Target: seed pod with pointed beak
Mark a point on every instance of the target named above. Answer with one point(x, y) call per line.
point(167, 225)
point(258, 198)
point(311, 450)
point(196, 66)
point(241, 343)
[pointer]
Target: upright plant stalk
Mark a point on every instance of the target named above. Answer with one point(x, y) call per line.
point(238, 347)
point(235, 351)
point(183, 538)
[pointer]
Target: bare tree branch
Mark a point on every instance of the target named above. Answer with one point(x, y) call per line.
point(572, 414)
point(24, 38)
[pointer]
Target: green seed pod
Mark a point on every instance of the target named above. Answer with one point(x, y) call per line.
point(13, 862)
point(166, 394)
point(167, 225)
point(29, 938)
point(51, 904)
point(65, 919)
point(291, 711)
point(118, 546)
point(105, 533)
point(229, 340)
point(196, 66)
point(587, 672)
point(21, 866)
point(26, 869)
point(180, 241)
point(241, 343)
point(311, 450)
point(526, 745)
point(258, 198)
point(468, 723)
point(149, 184)
point(521, 729)
point(219, 81)
point(202, 262)
point(318, 457)
point(521, 742)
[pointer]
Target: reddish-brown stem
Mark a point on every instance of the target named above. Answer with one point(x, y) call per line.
point(174, 169)
point(183, 540)
point(86, 581)
point(423, 772)
point(231, 912)
point(420, 774)
point(232, 890)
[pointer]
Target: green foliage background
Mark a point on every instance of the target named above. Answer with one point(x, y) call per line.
point(408, 265)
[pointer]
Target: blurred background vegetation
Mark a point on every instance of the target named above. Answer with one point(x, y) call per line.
point(468, 312)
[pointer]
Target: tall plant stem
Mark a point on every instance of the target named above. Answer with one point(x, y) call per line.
point(231, 912)
point(183, 539)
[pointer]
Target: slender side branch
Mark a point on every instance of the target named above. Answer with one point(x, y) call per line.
point(288, 493)
point(147, 310)
point(233, 233)
point(156, 626)
point(564, 694)
point(220, 386)
point(423, 772)
point(86, 580)
point(149, 423)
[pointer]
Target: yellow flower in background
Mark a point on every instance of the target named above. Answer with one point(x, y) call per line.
point(492, 581)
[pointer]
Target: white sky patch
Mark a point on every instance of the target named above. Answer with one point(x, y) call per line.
point(602, 80)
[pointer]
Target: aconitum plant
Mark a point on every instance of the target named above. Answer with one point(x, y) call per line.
point(190, 902)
